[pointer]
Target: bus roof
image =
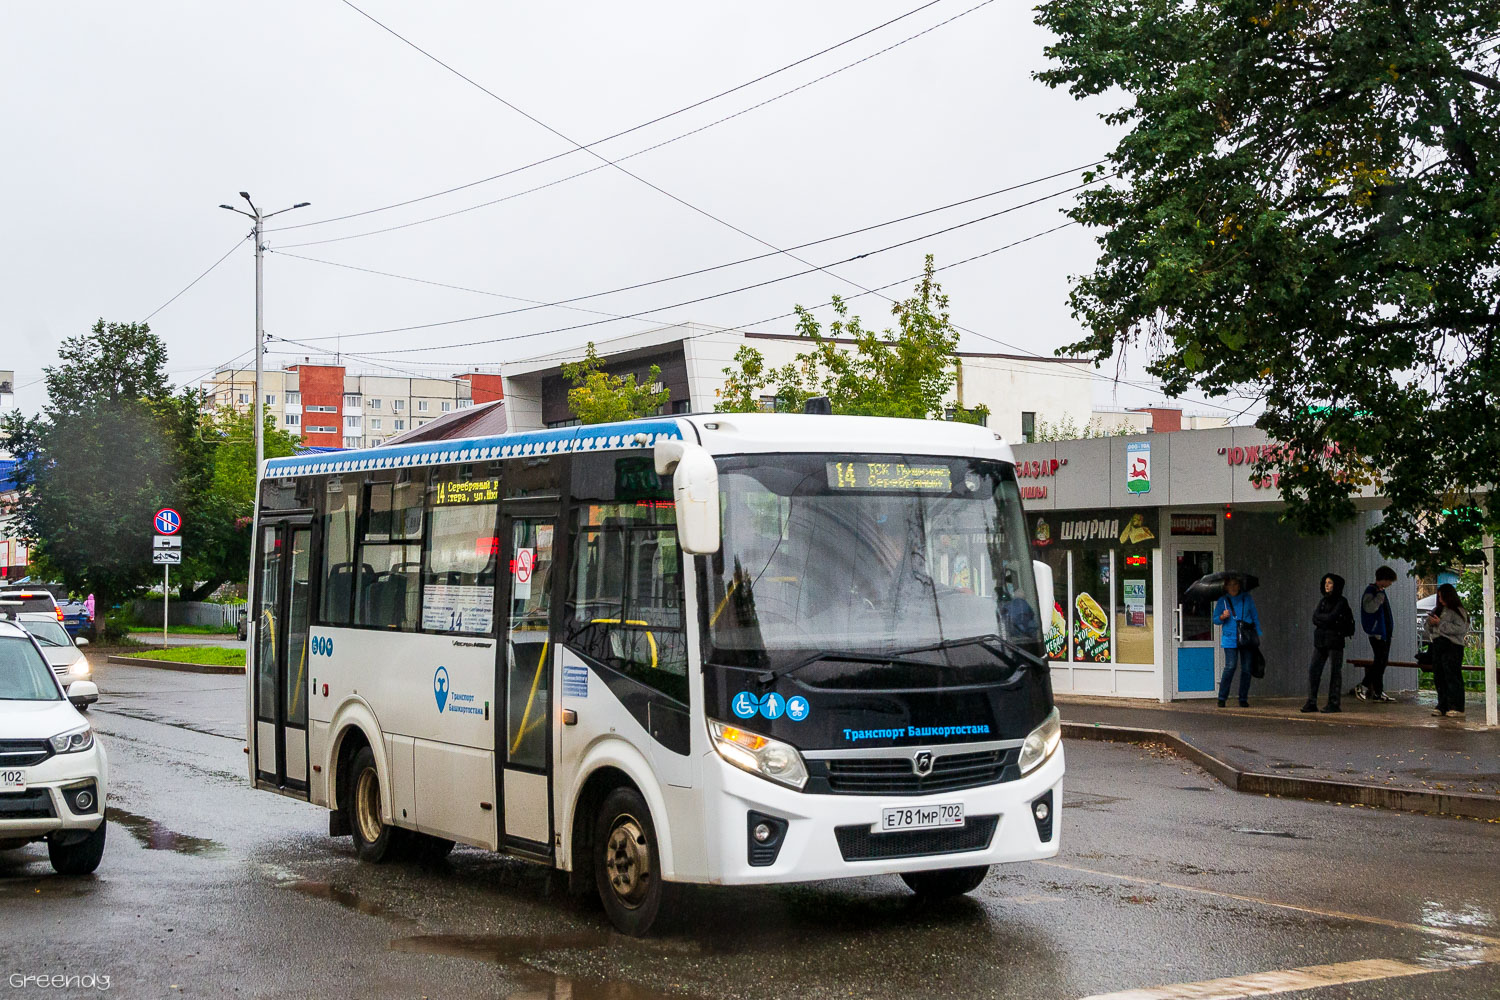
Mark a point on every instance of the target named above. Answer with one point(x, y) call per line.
point(720, 433)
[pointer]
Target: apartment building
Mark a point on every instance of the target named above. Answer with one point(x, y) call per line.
point(332, 408)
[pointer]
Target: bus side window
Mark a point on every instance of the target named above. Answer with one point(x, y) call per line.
point(340, 523)
point(390, 555)
point(625, 603)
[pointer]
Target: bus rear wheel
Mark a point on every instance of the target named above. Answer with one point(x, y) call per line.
point(627, 867)
point(945, 883)
point(374, 841)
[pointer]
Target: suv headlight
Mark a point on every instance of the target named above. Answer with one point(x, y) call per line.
point(1042, 741)
point(759, 754)
point(81, 667)
point(73, 741)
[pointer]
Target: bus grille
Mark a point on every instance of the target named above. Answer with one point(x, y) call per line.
point(33, 804)
point(857, 843)
point(23, 753)
point(895, 776)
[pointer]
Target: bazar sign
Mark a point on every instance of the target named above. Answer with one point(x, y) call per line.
point(1043, 468)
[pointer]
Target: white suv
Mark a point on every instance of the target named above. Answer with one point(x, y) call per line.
point(53, 775)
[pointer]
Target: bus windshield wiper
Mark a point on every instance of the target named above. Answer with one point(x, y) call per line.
point(895, 659)
point(993, 641)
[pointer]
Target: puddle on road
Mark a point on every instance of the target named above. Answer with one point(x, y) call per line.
point(343, 897)
point(512, 951)
point(1254, 832)
point(153, 836)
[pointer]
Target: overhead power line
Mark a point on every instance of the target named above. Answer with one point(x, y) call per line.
point(716, 267)
point(190, 284)
point(658, 119)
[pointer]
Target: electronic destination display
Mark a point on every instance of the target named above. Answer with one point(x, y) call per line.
point(890, 476)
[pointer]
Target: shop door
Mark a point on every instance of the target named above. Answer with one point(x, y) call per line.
point(527, 675)
point(1195, 650)
point(283, 612)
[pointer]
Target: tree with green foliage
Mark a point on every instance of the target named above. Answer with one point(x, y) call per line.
point(903, 372)
point(1306, 206)
point(110, 449)
point(598, 397)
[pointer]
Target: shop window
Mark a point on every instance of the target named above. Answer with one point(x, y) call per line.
point(1135, 607)
point(1028, 425)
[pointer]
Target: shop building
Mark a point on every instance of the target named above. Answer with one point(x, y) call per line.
point(1128, 523)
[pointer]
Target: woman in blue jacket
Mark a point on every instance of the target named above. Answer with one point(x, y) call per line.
point(1232, 609)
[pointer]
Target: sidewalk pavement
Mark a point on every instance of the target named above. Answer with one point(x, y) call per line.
point(1394, 756)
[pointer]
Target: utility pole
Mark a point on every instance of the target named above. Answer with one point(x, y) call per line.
point(255, 216)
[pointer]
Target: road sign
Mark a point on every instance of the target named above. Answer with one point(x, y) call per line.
point(167, 557)
point(167, 542)
point(168, 521)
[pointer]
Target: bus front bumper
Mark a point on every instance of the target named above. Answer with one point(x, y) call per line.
point(837, 836)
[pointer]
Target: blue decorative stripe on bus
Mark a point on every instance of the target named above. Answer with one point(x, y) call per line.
point(556, 441)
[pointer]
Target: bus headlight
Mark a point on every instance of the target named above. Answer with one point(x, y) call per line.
point(759, 754)
point(1042, 741)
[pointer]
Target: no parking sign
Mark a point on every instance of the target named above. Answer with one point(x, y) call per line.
point(168, 521)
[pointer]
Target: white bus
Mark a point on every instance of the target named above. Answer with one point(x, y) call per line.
point(722, 648)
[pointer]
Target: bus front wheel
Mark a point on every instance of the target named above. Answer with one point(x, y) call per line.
point(627, 867)
point(945, 883)
point(374, 841)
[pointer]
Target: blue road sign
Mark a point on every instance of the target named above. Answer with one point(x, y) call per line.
point(168, 521)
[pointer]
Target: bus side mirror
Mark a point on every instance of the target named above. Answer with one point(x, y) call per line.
point(695, 488)
point(1044, 590)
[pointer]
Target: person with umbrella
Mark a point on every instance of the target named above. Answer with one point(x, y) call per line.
point(1239, 635)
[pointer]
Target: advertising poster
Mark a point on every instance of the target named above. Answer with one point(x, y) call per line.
point(1091, 630)
point(1057, 635)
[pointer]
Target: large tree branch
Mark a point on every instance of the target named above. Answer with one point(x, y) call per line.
point(1478, 79)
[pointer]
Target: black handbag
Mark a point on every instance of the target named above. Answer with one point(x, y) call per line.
point(1247, 637)
point(1257, 662)
point(1424, 657)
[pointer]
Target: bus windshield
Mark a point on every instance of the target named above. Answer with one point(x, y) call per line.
point(910, 558)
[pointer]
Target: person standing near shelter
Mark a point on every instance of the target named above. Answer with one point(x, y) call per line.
point(1233, 612)
point(1378, 622)
point(1333, 622)
point(1447, 629)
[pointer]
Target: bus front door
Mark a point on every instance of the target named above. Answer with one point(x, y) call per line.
point(526, 816)
point(282, 615)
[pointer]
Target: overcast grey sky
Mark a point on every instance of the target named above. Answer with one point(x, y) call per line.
point(127, 124)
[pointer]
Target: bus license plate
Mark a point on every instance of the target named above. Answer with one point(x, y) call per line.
point(12, 781)
point(921, 817)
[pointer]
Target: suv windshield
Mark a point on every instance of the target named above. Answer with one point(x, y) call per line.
point(24, 675)
point(48, 632)
point(899, 557)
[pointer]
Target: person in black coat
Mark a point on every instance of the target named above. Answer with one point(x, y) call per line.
point(1333, 622)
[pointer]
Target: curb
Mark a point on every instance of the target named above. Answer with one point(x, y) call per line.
point(1468, 806)
point(189, 668)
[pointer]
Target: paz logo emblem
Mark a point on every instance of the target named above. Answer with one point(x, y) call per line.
point(921, 763)
point(440, 687)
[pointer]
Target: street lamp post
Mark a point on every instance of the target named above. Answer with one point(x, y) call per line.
point(255, 216)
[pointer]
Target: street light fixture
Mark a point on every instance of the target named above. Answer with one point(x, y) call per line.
point(260, 333)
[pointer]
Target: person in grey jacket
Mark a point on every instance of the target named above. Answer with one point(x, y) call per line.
point(1447, 629)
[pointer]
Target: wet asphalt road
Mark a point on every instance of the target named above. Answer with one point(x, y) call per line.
point(211, 889)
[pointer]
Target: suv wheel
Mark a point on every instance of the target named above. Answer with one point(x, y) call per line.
point(79, 858)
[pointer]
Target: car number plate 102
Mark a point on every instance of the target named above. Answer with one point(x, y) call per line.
point(921, 817)
point(13, 780)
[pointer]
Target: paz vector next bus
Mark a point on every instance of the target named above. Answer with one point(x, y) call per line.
point(724, 649)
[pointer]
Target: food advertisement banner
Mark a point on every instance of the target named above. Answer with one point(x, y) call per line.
point(1102, 529)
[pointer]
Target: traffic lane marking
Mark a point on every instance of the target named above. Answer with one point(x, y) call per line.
point(1289, 980)
point(1491, 943)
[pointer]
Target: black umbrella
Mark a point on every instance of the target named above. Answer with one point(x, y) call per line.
point(1211, 587)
